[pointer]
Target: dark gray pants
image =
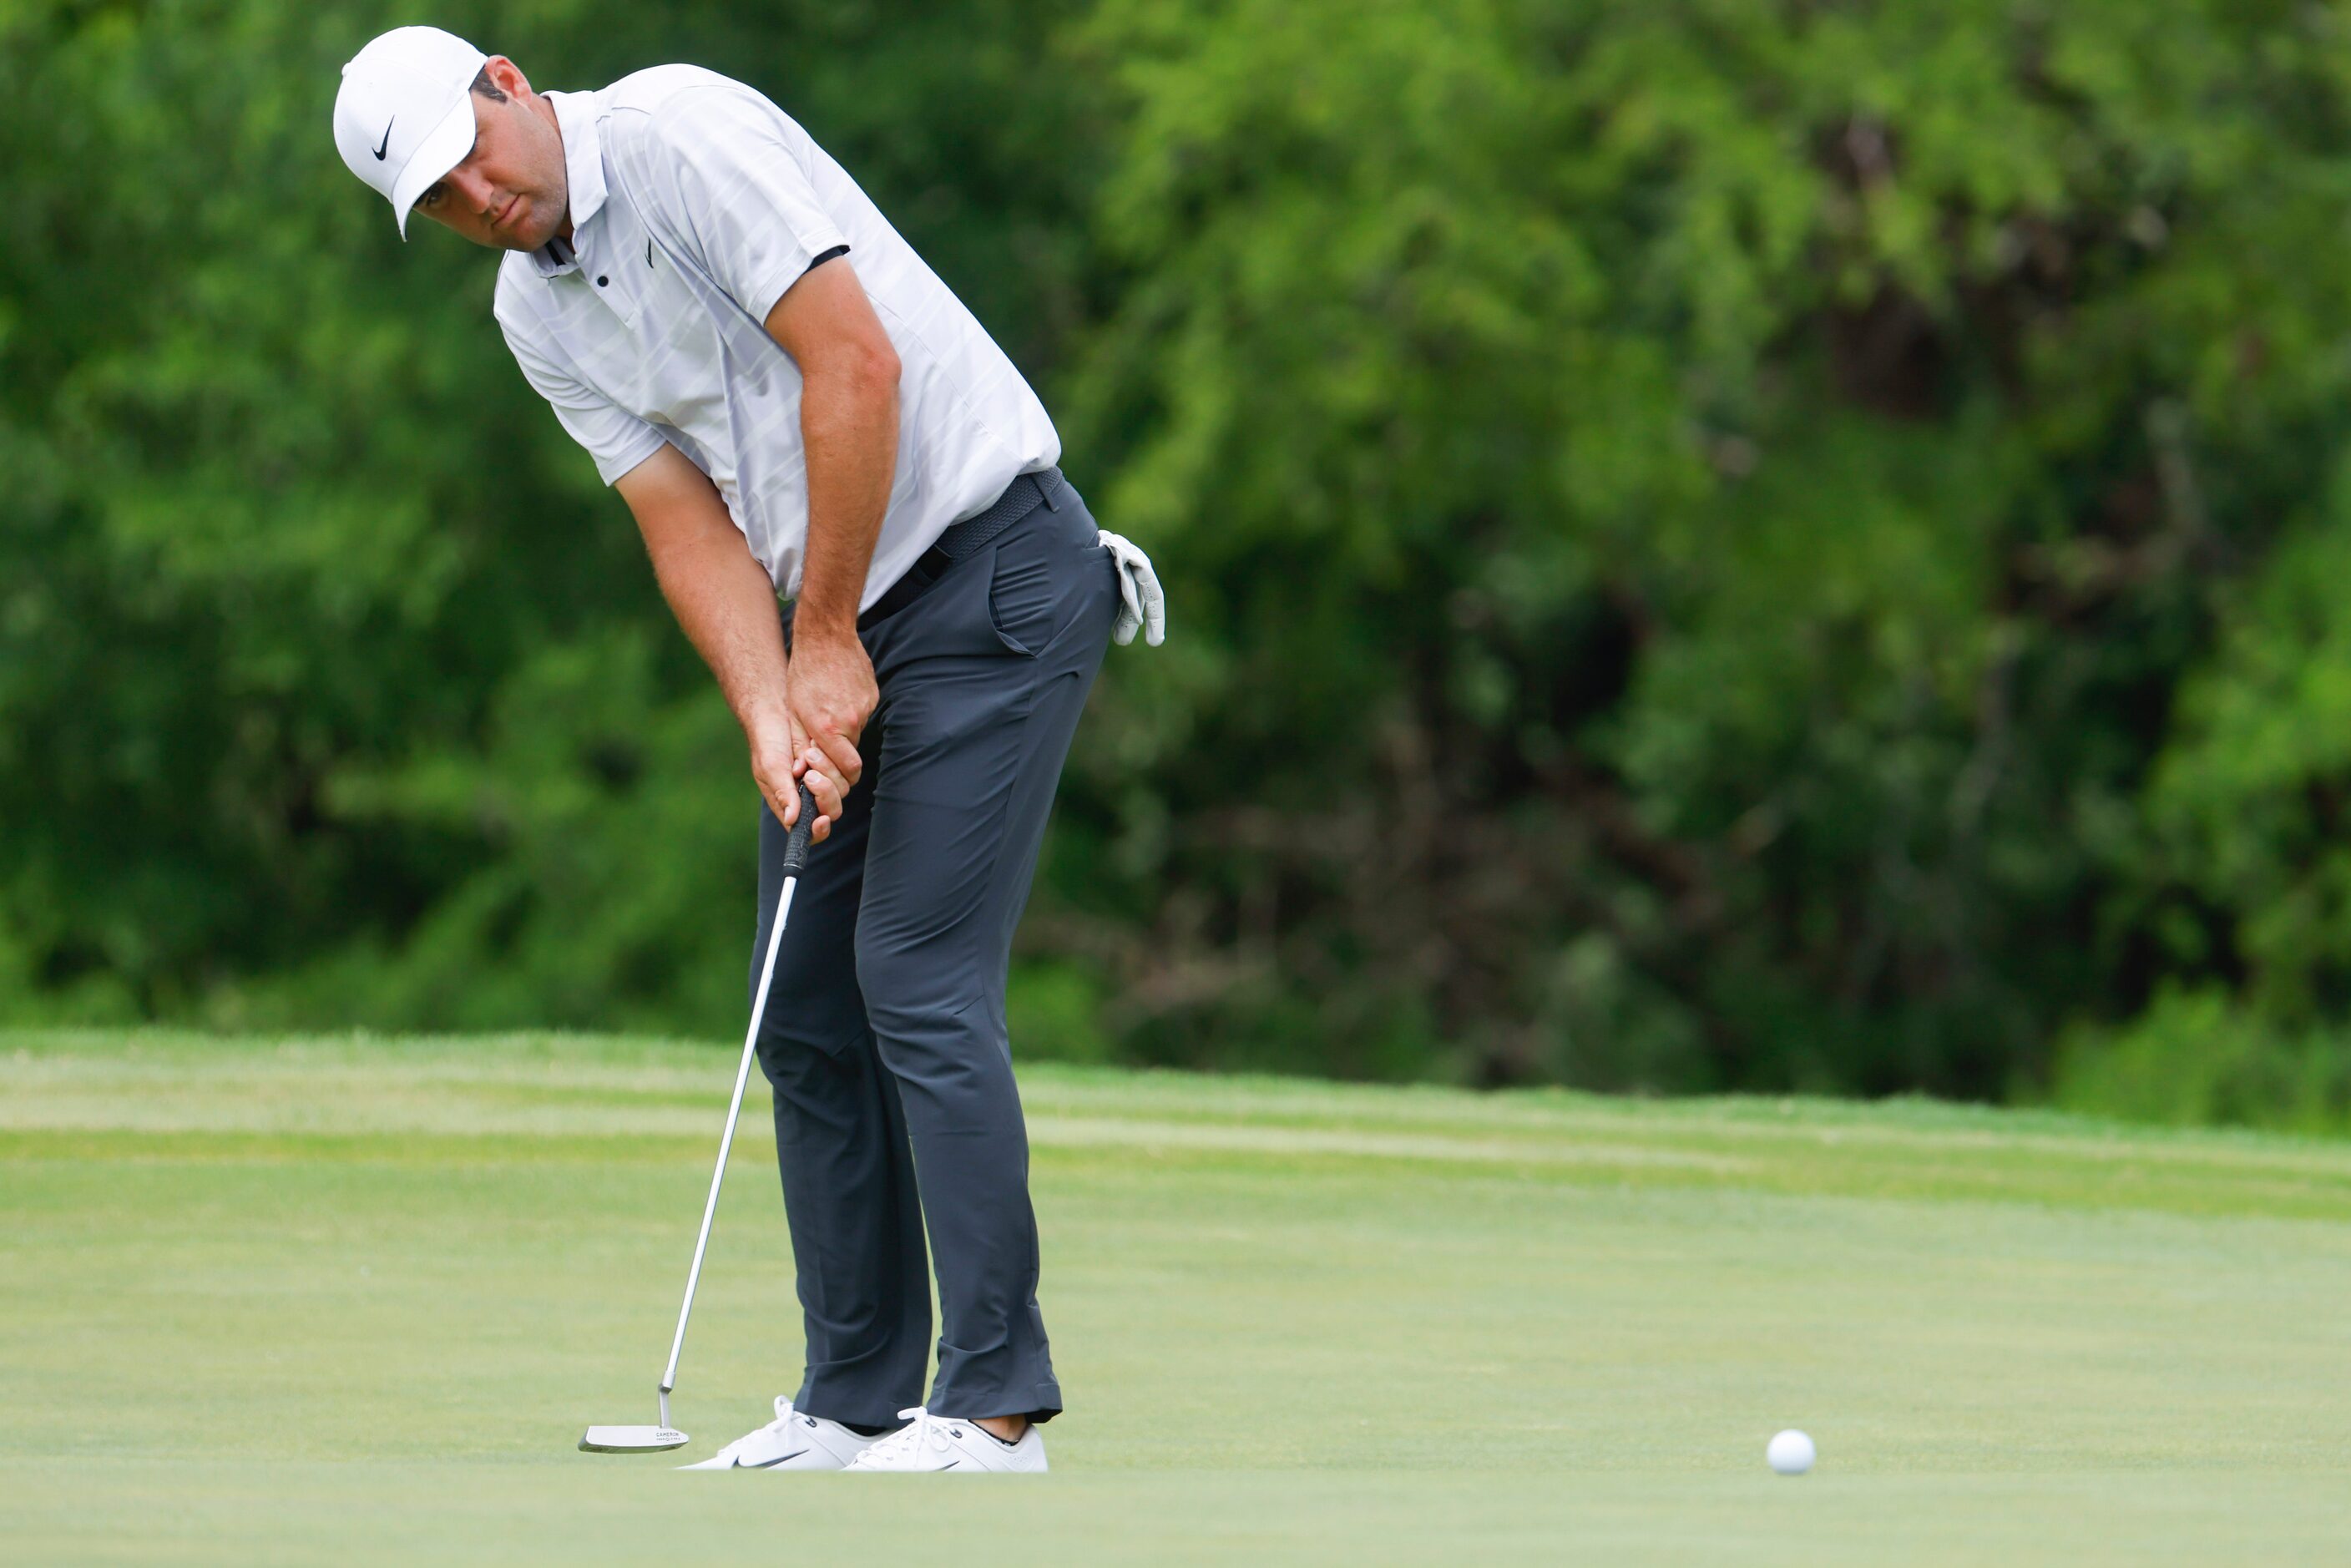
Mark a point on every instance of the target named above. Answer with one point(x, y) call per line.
point(884, 1039)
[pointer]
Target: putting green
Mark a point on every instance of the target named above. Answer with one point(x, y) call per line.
point(352, 1300)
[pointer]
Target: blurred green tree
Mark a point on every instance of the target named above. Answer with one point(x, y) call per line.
point(1711, 545)
point(1689, 518)
point(332, 685)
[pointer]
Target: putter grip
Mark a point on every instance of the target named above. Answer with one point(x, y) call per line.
point(796, 847)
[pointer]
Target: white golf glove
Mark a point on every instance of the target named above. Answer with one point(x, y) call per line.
point(1140, 602)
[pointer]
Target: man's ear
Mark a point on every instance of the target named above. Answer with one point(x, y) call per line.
point(508, 78)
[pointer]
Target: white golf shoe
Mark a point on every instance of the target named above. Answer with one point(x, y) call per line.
point(929, 1442)
point(791, 1442)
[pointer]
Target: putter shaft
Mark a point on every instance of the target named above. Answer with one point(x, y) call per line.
point(795, 857)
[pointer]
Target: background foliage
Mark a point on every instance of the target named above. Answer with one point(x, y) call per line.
point(1713, 544)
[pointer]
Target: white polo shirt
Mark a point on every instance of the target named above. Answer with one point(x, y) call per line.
point(695, 204)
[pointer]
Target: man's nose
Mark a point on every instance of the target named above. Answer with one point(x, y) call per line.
point(473, 189)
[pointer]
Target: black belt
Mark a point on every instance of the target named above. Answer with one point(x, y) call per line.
point(966, 539)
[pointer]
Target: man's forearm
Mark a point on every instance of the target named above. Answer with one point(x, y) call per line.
point(849, 429)
point(724, 600)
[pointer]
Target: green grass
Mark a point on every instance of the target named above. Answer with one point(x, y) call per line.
point(352, 1300)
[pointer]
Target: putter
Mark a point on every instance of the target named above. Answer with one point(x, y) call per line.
point(655, 1440)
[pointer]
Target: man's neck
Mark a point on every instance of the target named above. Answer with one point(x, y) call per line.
point(544, 108)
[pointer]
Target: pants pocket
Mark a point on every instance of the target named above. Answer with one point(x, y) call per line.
point(1022, 601)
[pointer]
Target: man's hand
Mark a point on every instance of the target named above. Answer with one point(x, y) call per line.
point(776, 748)
point(830, 690)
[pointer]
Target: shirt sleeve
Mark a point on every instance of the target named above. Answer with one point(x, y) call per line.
point(738, 191)
point(617, 439)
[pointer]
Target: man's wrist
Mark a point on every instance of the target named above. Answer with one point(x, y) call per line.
point(768, 727)
point(816, 623)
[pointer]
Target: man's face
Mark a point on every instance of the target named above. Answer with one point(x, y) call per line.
point(510, 191)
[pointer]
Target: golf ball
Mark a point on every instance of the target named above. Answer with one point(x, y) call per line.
point(1791, 1453)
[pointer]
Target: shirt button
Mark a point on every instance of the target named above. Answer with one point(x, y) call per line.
point(601, 281)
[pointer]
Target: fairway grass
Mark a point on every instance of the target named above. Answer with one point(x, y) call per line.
point(352, 1300)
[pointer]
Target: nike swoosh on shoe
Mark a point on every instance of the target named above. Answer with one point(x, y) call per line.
point(770, 1464)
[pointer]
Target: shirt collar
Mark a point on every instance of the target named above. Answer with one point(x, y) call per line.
point(576, 114)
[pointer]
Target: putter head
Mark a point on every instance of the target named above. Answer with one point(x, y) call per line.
point(632, 1439)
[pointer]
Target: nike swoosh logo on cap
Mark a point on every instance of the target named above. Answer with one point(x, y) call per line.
point(387, 138)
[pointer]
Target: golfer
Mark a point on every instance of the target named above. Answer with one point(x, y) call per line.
point(794, 406)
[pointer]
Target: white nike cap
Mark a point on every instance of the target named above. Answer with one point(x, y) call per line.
point(402, 117)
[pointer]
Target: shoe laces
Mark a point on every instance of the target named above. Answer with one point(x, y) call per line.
point(923, 1430)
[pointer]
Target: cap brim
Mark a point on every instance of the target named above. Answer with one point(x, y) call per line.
point(444, 148)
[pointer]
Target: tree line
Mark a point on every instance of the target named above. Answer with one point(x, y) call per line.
point(1710, 545)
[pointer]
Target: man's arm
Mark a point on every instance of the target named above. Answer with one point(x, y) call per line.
point(801, 716)
point(723, 598)
point(848, 432)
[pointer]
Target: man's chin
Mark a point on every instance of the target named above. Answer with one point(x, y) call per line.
point(544, 235)
point(530, 234)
